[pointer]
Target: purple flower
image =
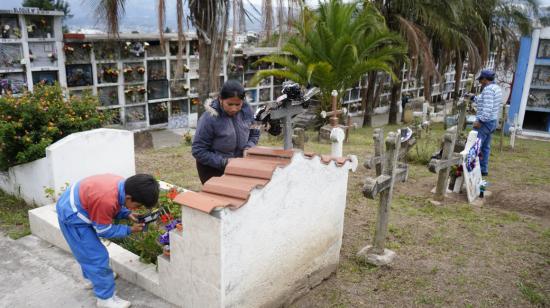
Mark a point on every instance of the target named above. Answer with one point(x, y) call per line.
point(164, 239)
point(172, 225)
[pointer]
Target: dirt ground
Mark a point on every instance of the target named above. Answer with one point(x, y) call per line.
point(455, 254)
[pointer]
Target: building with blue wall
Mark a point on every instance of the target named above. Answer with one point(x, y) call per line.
point(530, 100)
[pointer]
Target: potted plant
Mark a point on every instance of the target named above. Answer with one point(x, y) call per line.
point(6, 31)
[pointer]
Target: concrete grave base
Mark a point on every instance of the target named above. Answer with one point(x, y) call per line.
point(376, 259)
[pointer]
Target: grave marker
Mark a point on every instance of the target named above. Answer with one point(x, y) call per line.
point(299, 138)
point(441, 166)
point(326, 130)
point(470, 166)
point(382, 185)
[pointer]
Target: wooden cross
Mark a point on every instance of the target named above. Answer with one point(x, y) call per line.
point(391, 171)
point(335, 111)
point(375, 162)
point(441, 166)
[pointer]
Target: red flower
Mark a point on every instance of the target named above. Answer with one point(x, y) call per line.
point(172, 193)
point(164, 218)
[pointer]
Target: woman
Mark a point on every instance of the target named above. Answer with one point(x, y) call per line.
point(224, 131)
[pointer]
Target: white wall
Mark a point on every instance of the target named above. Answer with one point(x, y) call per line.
point(282, 242)
point(70, 159)
point(286, 233)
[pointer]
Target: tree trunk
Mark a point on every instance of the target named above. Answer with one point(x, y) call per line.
point(205, 88)
point(458, 78)
point(428, 89)
point(394, 95)
point(368, 99)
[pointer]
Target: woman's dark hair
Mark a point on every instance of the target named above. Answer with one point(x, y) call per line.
point(143, 188)
point(232, 88)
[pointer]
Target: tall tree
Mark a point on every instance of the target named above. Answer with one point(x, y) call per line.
point(336, 45)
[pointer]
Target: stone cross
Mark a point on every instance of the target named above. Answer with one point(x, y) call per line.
point(441, 166)
point(286, 112)
point(383, 185)
point(299, 138)
point(335, 111)
point(337, 137)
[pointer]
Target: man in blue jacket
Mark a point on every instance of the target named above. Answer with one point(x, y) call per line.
point(224, 131)
point(488, 105)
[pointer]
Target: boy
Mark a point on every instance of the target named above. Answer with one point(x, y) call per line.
point(86, 211)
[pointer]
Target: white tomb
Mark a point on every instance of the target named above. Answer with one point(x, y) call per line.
point(74, 157)
point(263, 234)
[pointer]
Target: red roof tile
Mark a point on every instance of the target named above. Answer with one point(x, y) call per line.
point(242, 175)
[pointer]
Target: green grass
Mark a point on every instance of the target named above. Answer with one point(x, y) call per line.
point(531, 293)
point(14, 216)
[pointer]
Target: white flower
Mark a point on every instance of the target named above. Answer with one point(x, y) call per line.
point(22, 61)
point(6, 27)
point(145, 44)
point(128, 43)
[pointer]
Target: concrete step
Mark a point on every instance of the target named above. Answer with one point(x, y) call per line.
point(35, 273)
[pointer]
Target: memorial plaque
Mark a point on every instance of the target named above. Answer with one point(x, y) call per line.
point(9, 27)
point(134, 114)
point(108, 96)
point(158, 113)
point(42, 54)
point(135, 94)
point(46, 77)
point(132, 50)
point(12, 83)
point(178, 88)
point(10, 56)
point(79, 75)
point(156, 70)
point(133, 72)
point(157, 89)
point(106, 51)
point(107, 73)
point(40, 26)
point(77, 52)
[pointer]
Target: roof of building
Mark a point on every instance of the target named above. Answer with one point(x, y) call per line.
point(241, 176)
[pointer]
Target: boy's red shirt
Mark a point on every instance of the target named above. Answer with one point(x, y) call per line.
point(99, 197)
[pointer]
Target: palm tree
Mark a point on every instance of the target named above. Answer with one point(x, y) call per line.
point(335, 46)
point(420, 21)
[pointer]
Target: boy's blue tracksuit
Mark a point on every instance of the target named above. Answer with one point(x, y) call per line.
point(82, 230)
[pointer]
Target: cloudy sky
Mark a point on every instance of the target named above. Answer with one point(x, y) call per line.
point(140, 14)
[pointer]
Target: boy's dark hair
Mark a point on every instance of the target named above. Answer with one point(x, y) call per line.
point(143, 188)
point(232, 88)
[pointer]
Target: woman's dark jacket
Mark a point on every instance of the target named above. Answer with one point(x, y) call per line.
point(219, 137)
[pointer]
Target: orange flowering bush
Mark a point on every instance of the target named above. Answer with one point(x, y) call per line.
point(33, 121)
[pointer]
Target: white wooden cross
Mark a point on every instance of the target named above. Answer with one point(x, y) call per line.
point(515, 129)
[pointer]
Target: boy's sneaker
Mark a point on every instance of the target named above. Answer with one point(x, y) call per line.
point(113, 302)
point(88, 285)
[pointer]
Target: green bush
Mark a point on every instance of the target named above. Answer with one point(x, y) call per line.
point(33, 121)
